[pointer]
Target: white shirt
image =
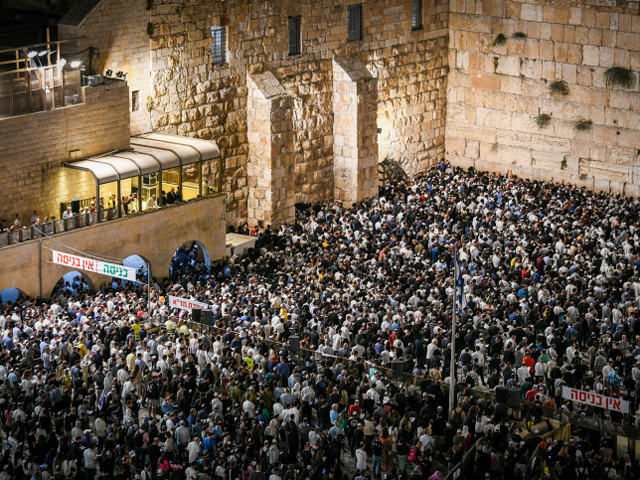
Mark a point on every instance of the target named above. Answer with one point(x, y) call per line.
point(90, 458)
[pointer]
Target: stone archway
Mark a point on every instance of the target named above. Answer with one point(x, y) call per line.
point(76, 279)
point(185, 249)
point(11, 294)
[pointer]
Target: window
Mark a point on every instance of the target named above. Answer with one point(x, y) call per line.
point(416, 14)
point(219, 45)
point(355, 23)
point(135, 100)
point(295, 37)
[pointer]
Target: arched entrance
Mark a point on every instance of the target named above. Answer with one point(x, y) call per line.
point(74, 283)
point(140, 263)
point(10, 295)
point(190, 255)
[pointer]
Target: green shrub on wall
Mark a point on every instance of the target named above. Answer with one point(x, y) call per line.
point(542, 120)
point(499, 40)
point(619, 77)
point(583, 125)
point(559, 87)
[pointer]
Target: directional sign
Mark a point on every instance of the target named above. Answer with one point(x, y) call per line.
point(595, 399)
point(89, 265)
point(185, 303)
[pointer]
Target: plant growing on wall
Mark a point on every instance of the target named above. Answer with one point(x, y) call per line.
point(519, 35)
point(150, 29)
point(559, 87)
point(619, 77)
point(149, 103)
point(496, 60)
point(542, 120)
point(149, 4)
point(583, 125)
point(563, 163)
point(499, 40)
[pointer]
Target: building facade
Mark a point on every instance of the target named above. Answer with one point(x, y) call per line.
point(267, 81)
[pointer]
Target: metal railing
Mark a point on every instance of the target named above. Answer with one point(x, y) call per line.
point(55, 226)
point(80, 220)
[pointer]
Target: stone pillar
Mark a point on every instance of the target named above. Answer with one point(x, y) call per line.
point(270, 163)
point(355, 131)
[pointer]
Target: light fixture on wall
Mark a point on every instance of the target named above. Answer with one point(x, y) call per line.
point(75, 63)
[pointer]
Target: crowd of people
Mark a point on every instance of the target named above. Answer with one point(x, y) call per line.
point(93, 384)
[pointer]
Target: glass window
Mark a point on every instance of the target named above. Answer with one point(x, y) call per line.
point(355, 22)
point(295, 35)
point(210, 174)
point(219, 45)
point(416, 14)
point(108, 200)
point(190, 181)
point(171, 186)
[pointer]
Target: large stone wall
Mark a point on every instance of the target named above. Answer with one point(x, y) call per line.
point(34, 146)
point(194, 97)
point(355, 131)
point(270, 165)
point(118, 29)
point(27, 266)
point(495, 92)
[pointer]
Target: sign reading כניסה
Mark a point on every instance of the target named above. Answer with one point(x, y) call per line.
point(95, 266)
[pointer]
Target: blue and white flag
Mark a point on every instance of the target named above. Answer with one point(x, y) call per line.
point(461, 300)
point(101, 401)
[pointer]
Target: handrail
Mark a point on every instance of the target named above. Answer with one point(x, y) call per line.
point(81, 220)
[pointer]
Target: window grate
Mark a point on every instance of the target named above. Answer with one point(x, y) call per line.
point(295, 35)
point(416, 14)
point(355, 23)
point(135, 100)
point(219, 45)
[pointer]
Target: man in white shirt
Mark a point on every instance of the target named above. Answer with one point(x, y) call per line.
point(90, 458)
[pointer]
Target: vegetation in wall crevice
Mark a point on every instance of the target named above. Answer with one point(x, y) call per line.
point(619, 77)
point(559, 87)
point(499, 40)
point(542, 120)
point(583, 125)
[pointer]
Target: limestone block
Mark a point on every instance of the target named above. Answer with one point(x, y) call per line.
point(606, 57)
point(591, 55)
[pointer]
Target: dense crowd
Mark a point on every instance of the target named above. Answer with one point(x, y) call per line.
point(95, 384)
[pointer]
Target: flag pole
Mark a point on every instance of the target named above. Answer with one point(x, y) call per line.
point(452, 368)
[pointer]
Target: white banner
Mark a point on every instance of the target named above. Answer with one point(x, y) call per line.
point(95, 266)
point(185, 303)
point(595, 399)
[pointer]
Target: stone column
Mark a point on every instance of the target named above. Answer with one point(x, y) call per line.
point(270, 163)
point(355, 131)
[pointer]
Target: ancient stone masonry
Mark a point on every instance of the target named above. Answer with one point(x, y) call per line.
point(34, 146)
point(355, 131)
point(498, 87)
point(192, 96)
point(117, 28)
point(270, 166)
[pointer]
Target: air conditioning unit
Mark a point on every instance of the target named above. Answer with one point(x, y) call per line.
point(95, 80)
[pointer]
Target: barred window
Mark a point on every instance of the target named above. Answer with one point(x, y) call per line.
point(416, 14)
point(355, 22)
point(219, 45)
point(295, 35)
